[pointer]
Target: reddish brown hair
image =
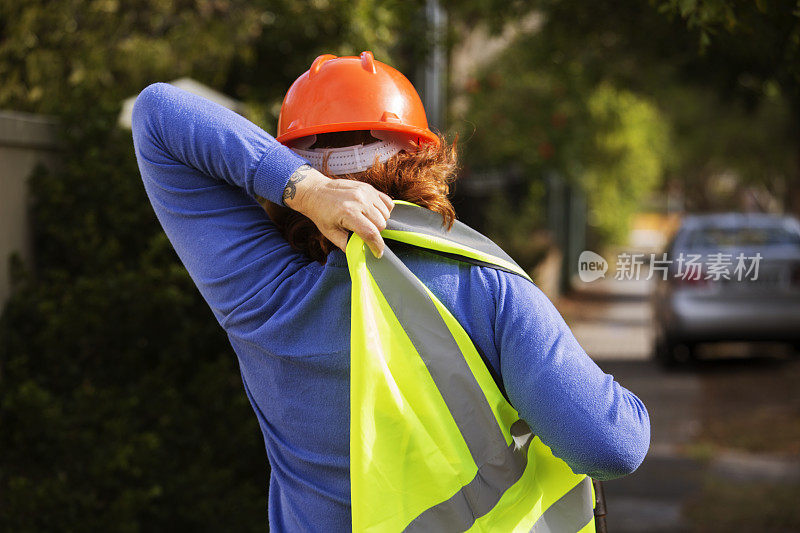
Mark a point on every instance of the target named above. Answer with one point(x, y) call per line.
point(422, 177)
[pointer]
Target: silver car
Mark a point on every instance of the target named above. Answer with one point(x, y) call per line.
point(728, 277)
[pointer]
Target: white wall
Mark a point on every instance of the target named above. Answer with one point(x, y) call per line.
point(25, 141)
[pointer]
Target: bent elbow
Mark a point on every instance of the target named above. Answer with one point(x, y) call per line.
point(145, 105)
point(624, 454)
point(622, 464)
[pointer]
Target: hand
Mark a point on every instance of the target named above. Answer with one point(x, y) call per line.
point(337, 207)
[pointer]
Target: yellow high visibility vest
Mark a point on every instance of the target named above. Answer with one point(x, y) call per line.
point(434, 444)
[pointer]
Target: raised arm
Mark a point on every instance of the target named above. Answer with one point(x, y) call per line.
point(202, 165)
point(588, 419)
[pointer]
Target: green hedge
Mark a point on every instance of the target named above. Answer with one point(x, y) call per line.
point(121, 404)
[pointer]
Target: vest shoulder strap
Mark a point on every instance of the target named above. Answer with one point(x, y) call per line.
point(423, 228)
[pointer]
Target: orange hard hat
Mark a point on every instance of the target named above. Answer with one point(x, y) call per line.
point(352, 93)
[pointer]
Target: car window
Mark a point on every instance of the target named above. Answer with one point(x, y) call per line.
point(710, 237)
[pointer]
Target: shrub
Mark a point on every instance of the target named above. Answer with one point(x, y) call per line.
point(121, 404)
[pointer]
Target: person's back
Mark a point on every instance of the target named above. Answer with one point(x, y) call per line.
point(296, 368)
point(288, 316)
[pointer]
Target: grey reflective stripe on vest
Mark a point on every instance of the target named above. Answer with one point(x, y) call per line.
point(571, 512)
point(479, 496)
point(499, 465)
point(420, 220)
point(429, 334)
point(568, 514)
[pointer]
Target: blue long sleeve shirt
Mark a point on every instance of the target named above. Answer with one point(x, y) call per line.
point(288, 318)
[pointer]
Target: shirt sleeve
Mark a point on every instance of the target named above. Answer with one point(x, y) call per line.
point(202, 165)
point(586, 418)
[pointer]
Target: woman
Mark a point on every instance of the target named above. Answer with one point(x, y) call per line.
point(280, 288)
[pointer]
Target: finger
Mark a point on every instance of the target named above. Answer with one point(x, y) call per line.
point(380, 205)
point(369, 233)
point(376, 216)
point(387, 200)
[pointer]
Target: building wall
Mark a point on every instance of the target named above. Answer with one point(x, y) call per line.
point(25, 141)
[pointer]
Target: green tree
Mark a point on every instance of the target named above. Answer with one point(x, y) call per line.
point(726, 106)
point(724, 74)
point(627, 159)
point(751, 52)
point(545, 110)
point(121, 404)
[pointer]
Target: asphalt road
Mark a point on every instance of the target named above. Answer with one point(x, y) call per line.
point(612, 321)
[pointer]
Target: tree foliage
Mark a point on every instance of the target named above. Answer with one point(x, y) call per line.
point(56, 54)
point(121, 405)
point(543, 109)
point(758, 40)
point(724, 108)
point(627, 159)
point(751, 53)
